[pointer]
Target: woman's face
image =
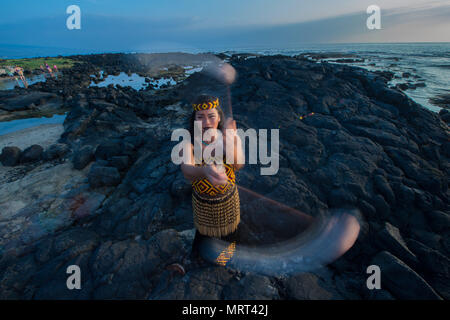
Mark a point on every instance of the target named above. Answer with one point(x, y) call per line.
point(210, 119)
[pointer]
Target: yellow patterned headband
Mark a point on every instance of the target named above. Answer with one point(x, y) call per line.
point(206, 105)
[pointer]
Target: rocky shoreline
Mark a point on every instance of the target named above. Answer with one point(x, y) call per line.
point(106, 196)
point(393, 69)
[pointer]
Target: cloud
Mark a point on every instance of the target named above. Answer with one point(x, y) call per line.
point(115, 33)
point(429, 23)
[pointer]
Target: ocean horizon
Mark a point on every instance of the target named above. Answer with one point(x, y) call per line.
point(15, 51)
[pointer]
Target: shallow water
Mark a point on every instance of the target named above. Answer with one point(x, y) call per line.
point(134, 80)
point(11, 83)
point(16, 125)
point(191, 70)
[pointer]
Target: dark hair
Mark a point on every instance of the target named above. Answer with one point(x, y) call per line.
point(204, 98)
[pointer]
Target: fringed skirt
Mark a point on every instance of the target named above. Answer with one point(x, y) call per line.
point(216, 216)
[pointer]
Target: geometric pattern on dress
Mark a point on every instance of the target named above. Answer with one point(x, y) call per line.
point(205, 186)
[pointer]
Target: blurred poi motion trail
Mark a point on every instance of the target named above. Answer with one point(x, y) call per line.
point(319, 241)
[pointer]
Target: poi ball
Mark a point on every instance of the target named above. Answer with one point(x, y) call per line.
point(224, 73)
point(228, 73)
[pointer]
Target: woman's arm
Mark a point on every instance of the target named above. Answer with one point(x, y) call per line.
point(238, 155)
point(192, 172)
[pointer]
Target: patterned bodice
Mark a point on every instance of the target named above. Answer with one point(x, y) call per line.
point(204, 186)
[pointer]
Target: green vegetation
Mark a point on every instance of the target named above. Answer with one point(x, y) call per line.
point(34, 63)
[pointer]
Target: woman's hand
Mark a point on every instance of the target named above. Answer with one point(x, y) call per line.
point(229, 123)
point(214, 175)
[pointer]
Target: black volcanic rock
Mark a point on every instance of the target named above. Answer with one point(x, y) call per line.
point(32, 153)
point(82, 157)
point(396, 276)
point(402, 86)
point(103, 176)
point(10, 156)
point(120, 162)
point(384, 188)
point(439, 221)
point(56, 150)
point(24, 101)
point(434, 266)
point(107, 150)
point(442, 100)
point(389, 237)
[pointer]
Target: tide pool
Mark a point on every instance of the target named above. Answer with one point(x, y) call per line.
point(15, 125)
point(10, 83)
point(134, 80)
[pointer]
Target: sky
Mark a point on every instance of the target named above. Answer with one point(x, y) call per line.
point(150, 25)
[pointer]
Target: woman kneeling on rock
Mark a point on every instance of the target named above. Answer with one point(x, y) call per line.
point(215, 197)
